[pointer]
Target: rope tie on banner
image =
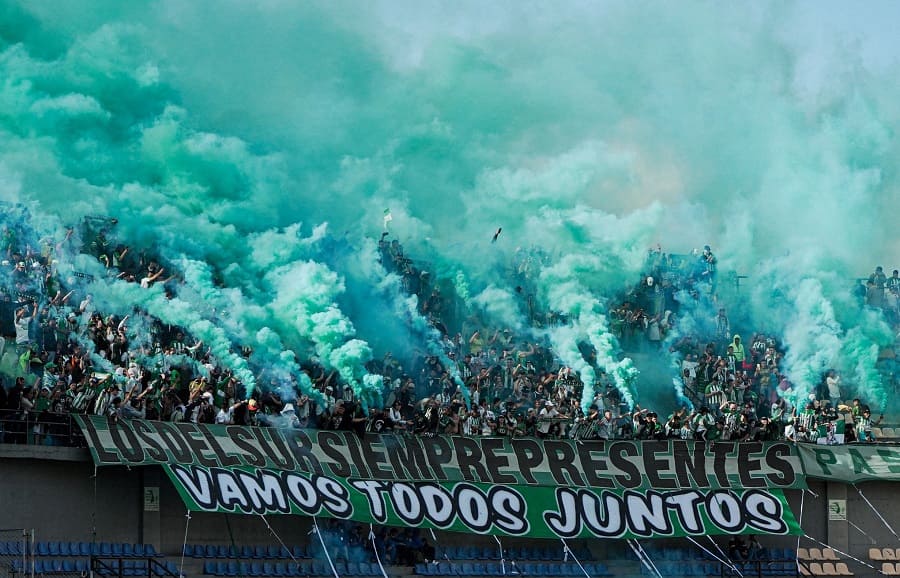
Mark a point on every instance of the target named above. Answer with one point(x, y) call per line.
point(725, 562)
point(277, 537)
point(187, 523)
point(800, 524)
point(861, 531)
point(725, 556)
point(375, 549)
point(855, 559)
point(324, 547)
point(502, 558)
point(643, 560)
point(877, 513)
point(649, 559)
point(567, 551)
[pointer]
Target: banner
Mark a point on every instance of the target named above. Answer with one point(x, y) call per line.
point(526, 511)
point(484, 485)
point(851, 464)
point(599, 464)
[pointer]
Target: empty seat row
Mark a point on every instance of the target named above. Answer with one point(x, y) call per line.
point(518, 553)
point(110, 549)
point(498, 569)
point(885, 433)
point(700, 568)
point(279, 569)
point(82, 565)
point(245, 552)
point(890, 569)
point(879, 554)
point(817, 554)
point(825, 569)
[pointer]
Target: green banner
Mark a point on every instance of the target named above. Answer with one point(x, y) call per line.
point(527, 511)
point(596, 464)
point(486, 485)
point(852, 463)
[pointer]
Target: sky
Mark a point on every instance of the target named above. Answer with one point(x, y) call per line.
point(257, 145)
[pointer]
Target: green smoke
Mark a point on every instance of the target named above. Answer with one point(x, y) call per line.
point(256, 146)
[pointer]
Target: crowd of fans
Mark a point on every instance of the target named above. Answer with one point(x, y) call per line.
point(63, 355)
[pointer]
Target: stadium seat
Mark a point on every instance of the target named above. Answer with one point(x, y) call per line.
point(829, 554)
point(888, 569)
point(260, 552)
point(803, 554)
point(815, 554)
point(42, 548)
point(842, 569)
point(116, 549)
point(268, 569)
point(298, 552)
point(209, 567)
point(888, 554)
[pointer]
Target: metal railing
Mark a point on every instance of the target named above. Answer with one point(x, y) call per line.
point(44, 428)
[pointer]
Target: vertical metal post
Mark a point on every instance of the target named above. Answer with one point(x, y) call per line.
point(32, 553)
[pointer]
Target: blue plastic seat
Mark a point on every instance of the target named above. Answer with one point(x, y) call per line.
point(260, 552)
point(280, 569)
point(116, 549)
point(150, 550)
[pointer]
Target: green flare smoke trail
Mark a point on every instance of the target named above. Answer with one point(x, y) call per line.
point(255, 146)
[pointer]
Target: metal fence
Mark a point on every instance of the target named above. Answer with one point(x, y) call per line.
point(45, 428)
